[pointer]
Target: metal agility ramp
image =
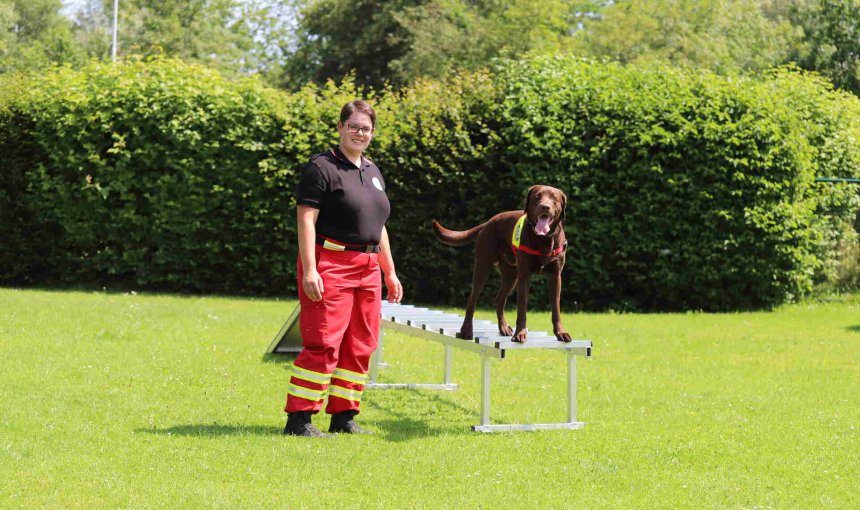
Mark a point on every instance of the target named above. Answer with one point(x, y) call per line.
point(441, 327)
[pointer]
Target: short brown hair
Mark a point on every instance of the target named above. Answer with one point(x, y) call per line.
point(357, 106)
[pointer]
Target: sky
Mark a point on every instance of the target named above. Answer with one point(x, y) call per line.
point(70, 7)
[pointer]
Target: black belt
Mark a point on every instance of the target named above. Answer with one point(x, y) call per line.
point(338, 246)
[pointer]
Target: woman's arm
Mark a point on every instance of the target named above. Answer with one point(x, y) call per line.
point(386, 262)
point(312, 283)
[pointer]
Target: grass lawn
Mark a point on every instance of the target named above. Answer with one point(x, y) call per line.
point(152, 401)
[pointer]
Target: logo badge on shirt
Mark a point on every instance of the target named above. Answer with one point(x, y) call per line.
point(377, 184)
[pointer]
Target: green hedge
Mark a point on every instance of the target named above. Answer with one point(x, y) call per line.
point(691, 190)
point(157, 174)
point(688, 190)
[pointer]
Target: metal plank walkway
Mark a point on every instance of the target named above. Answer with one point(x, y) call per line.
point(441, 327)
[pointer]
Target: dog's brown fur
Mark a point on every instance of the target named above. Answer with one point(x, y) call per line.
point(493, 247)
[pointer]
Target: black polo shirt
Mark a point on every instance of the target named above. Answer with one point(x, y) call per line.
point(352, 201)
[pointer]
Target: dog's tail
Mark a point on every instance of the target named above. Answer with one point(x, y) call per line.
point(455, 237)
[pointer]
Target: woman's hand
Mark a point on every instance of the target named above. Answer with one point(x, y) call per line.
point(312, 284)
point(395, 289)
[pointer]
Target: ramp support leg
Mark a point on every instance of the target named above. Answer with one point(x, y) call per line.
point(376, 364)
point(571, 422)
point(485, 389)
point(571, 387)
point(449, 351)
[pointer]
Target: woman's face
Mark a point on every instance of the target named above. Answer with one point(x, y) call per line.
point(355, 133)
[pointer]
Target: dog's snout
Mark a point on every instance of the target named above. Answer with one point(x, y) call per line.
point(544, 209)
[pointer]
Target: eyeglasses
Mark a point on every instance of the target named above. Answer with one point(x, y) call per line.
point(355, 128)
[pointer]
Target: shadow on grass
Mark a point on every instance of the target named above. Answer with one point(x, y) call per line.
point(288, 357)
point(404, 427)
point(398, 429)
point(213, 430)
point(855, 329)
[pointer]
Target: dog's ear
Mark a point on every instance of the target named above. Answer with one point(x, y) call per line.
point(529, 199)
point(563, 207)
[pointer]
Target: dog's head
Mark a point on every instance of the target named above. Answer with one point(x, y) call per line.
point(545, 208)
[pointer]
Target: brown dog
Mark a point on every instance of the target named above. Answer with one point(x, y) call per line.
point(541, 245)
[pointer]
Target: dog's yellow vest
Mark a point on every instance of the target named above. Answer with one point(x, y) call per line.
point(516, 239)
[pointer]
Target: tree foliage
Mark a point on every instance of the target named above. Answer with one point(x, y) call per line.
point(338, 38)
point(398, 41)
point(205, 31)
point(293, 42)
point(33, 34)
point(450, 34)
point(831, 43)
point(395, 42)
point(720, 35)
point(233, 36)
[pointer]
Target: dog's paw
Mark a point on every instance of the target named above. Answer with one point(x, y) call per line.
point(563, 336)
point(506, 330)
point(520, 336)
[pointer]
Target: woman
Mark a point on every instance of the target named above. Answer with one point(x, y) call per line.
point(342, 209)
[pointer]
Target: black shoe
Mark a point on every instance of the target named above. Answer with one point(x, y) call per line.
point(299, 424)
point(343, 423)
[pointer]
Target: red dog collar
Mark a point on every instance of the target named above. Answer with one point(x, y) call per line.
point(517, 246)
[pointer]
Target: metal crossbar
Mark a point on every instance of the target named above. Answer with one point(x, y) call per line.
point(838, 179)
point(437, 326)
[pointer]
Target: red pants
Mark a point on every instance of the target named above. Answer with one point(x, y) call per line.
point(339, 332)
